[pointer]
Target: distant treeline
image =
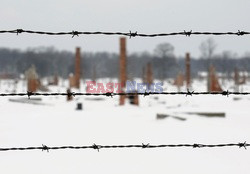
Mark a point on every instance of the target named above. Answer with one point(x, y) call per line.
point(49, 61)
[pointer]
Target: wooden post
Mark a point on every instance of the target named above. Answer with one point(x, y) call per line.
point(123, 72)
point(188, 74)
point(77, 68)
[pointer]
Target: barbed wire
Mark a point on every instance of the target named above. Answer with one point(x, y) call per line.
point(111, 94)
point(129, 34)
point(143, 146)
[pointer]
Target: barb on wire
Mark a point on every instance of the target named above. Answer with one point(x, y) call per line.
point(75, 33)
point(240, 33)
point(19, 31)
point(243, 145)
point(197, 145)
point(29, 93)
point(96, 147)
point(45, 148)
point(144, 146)
point(189, 93)
point(226, 93)
point(69, 94)
point(188, 33)
point(132, 34)
point(146, 93)
point(111, 94)
point(129, 34)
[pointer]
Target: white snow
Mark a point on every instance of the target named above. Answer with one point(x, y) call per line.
point(105, 122)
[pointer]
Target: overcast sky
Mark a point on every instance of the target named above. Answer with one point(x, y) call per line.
point(136, 15)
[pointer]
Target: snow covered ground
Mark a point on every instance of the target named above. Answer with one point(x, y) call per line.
point(103, 121)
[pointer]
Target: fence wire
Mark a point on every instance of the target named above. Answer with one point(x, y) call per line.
point(129, 34)
point(143, 146)
point(110, 94)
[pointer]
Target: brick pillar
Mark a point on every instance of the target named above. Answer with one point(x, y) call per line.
point(136, 100)
point(149, 74)
point(71, 81)
point(179, 81)
point(214, 85)
point(32, 85)
point(188, 74)
point(77, 68)
point(32, 79)
point(123, 72)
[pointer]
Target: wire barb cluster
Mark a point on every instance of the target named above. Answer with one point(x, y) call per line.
point(111, 94)
point(143, 146)
point(129, 34)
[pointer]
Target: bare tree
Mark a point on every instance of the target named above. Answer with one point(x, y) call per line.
point(166, 62)
point(164, 50)
point(207, 49)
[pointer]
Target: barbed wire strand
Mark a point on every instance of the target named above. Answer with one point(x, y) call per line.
point(130, 34)
point(110, 94)
point(143, 146)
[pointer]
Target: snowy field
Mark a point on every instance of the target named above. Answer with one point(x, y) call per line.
point(56, 122)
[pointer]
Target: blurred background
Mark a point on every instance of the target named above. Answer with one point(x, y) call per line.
point(42, 63)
